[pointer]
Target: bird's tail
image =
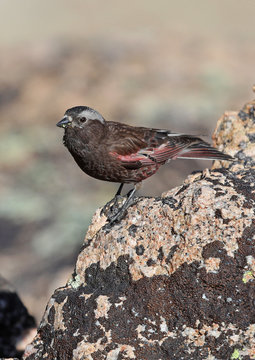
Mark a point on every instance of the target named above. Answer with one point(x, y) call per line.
point(204, 151)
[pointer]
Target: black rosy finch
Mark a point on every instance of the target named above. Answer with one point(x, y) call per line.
point(121, 153)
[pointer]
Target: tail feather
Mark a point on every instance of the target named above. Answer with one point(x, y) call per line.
point(204, 151)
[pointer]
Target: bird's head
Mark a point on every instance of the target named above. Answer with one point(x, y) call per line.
point(80, 117)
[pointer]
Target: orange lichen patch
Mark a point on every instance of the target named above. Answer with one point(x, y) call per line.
point(251, 263)
point(103, 306)
point(85, 349)
point(250, 335)
point(212, 264)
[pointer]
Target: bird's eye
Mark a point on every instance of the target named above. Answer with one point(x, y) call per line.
point(83, 120)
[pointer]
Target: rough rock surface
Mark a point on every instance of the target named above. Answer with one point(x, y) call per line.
point(17, 326)
point(175, 278)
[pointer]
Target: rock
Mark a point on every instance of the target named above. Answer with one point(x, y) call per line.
point(235, 134)
point(17, 327)
point(175, 278)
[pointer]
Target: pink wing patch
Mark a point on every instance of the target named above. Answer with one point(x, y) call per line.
point(149, 156)
point(166, 151)
point(134, 158)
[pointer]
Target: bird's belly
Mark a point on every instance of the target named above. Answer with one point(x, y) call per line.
point(142, 173)
point(104, 168)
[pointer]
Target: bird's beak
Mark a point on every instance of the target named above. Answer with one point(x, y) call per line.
point(64, 122)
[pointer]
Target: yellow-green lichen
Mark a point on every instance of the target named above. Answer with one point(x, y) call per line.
point(248, 275)
point(75, 282)
point(236, 355)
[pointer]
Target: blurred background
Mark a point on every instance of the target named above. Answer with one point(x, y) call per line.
point(174, 64)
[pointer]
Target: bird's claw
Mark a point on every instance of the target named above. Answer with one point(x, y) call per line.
point(118, 213)
point(116, 208)
point(112, 207)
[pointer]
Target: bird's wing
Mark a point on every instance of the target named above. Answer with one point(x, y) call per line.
point(144, 147)
point(138, 147)
point(127, 150)
point(186, 147)
point(165, 151)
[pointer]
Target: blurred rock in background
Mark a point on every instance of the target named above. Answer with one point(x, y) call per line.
point(163, 64)
point(17, 326)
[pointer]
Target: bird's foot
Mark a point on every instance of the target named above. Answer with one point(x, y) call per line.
point(112, 207)
point(114, 211)
point(120, 212)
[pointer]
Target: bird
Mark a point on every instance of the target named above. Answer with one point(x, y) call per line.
point(125, 154)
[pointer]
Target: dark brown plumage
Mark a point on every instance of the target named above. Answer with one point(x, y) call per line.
point(116, 152)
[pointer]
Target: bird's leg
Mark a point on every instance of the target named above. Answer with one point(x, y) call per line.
point(129, 201)
point(113, 203)
point(119, 190)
